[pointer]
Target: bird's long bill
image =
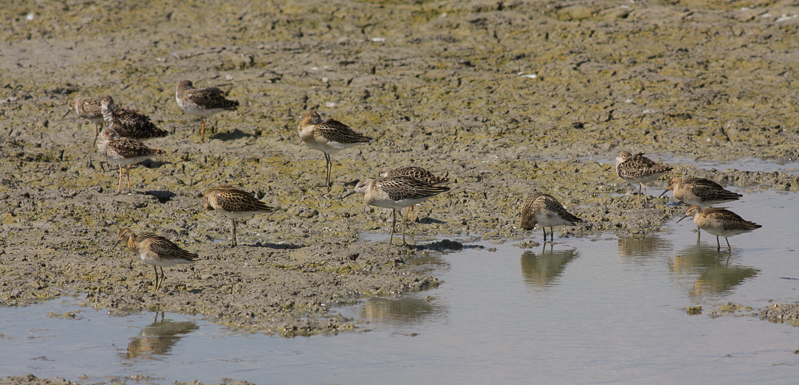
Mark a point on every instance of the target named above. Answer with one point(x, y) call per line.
point(663, 193)
point(348, 194)
point(65, 115)
point(115, 244)
point(686, 216)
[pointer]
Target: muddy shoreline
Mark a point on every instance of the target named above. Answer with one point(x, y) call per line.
point(452, 91)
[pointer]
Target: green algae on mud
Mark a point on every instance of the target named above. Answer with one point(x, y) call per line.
point(441, 85)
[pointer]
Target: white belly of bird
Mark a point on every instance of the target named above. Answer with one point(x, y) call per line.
point(191, 109)
point(163, 262)
point(547, 219)
point(127, 161)
point(397, 205)
point(237, 214)
point(725, 233)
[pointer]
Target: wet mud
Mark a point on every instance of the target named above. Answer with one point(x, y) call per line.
point(503, 97)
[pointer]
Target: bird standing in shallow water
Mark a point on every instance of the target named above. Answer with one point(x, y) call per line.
point(719, 222)
point(329, 136)
point(546, 211)
point(395, 193)
point(700, 192)
point(413, 172)
point(234, 204)
point(202, 102)
point(155, 250)
point(639, 169)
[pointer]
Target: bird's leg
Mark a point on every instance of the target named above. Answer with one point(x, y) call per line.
point(233, 235)
point(127, 173)
point(545, 233)
point(119, 190)
point(551, 234)
point(202, 130)
point(156, 279)
point(96, 132)
point(643, 188)
point(163, 277)
point(328, 170)
point(718, 245)
point(404, 227)
point(393, 222)
point(728, 244)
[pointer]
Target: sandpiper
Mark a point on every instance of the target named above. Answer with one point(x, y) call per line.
point(128, 122)
point(395, 193)
point(89, 109)
point(202, 102)
point(234, 204)
point(546, 211)
point(155, 250)
point(413, 172)
point(719, 222)
point(329, 136)
point(638, 169)
point(700, 192)
point(122, 151)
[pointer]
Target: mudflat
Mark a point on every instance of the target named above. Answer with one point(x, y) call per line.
point(503, 97)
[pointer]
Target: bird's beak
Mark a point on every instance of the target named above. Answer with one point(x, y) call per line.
point(663, 193)
point(115, 244)
point(347, 194)
point(65, 115)
point(685, 216)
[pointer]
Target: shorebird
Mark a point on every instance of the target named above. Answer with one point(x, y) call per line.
point(719, 222)
point(700, 192)
point(329, 136)
point(155, 250)
point(202, 102)
point(128, 123)
point(413, 172)
point(638, 169)
point(89, 109)
point(234, 204)
point(546, 211)
point(395, 193)
point(122, 151)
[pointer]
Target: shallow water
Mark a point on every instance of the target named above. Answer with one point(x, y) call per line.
point(584, 310)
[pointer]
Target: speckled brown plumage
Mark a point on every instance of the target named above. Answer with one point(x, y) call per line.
point(234, 204)
point(546, 211)
point(413, 172)
point(155, 250)
point(329, 136)
point(719, 222)
point(202, 102)
point(128, 123)
point(396, 193)
point(123, 151)
point(700, 192)
point(90, 109)
point(638, 169)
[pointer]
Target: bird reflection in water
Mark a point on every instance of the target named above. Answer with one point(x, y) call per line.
point(710, 270)
point(404, 311)
point(158, 338)
point(636, 249)
point(542, 270)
